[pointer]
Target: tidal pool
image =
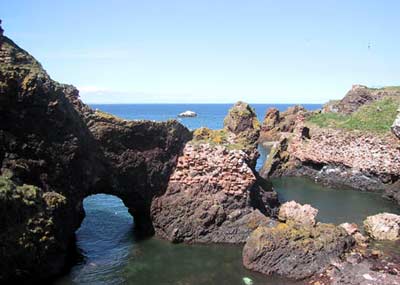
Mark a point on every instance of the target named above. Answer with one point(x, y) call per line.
point(334, 205)
point(112, 255)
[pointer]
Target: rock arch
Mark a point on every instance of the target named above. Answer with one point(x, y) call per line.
point(55, 151)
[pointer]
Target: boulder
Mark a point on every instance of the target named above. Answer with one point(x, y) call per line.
point(295, 251)
point(300, 214)
point(384, 226)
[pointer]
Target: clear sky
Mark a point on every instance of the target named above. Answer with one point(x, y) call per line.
point(121, 51)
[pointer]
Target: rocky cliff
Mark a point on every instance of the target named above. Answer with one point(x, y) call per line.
point(215, 194)
point(55, 151)
point(356, 150)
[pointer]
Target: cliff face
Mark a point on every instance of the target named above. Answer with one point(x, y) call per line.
point(55, 151)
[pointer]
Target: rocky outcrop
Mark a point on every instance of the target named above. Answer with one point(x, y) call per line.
point(360, 95)
point(295, 251)
point(214, 194)
point(338, 158)
point(64, 151)
point(383, 226)
point(277, 124)
point(303, 215)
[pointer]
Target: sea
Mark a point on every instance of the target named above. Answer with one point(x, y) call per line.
point(110, 253)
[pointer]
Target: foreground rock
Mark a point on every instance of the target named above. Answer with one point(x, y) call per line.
point(294, 251)
point(383, 226)
point(303, 215)
point(62, 151)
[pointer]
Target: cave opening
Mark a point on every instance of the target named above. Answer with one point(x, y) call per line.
point(105, 237)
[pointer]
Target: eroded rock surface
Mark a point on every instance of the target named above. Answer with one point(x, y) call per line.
point(276, 124)
point(295, 251)
point(383, 226)
point(60, 148)
point(214, 194)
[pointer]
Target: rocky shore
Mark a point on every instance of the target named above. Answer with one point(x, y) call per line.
point(193, 187)
point(357, 158)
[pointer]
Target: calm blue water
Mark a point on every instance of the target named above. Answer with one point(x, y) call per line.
point(113, 256)
point(208, 115)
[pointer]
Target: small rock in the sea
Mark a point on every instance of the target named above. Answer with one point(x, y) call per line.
point(247, 281)
point(187, 114)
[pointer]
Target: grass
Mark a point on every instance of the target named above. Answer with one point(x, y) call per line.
point(375, 117)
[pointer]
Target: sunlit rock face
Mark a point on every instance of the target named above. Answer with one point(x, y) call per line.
point(214, 194)
point(383, 226)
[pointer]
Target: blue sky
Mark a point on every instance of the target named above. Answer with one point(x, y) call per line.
point(210, 51)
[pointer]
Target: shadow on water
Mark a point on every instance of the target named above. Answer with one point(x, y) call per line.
point(112, 254)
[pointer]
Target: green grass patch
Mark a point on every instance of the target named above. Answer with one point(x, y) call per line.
point(375, 117)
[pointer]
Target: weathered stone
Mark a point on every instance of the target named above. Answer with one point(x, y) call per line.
point(300, 214)
point(222, 211)
point(294, 251)
point(383, 226)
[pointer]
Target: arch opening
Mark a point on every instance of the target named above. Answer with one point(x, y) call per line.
point(104, 238)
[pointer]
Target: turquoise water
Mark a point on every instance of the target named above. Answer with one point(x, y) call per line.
point(112, 255)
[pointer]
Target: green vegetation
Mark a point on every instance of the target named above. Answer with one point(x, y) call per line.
point(375, 117)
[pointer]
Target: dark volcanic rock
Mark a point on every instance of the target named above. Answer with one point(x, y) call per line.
point(294, 251)
point(65, 151)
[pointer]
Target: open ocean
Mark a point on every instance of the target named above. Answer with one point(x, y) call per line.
point(208, 115)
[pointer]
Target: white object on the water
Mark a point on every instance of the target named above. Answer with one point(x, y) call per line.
point(247, 281)
point(187, 114)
